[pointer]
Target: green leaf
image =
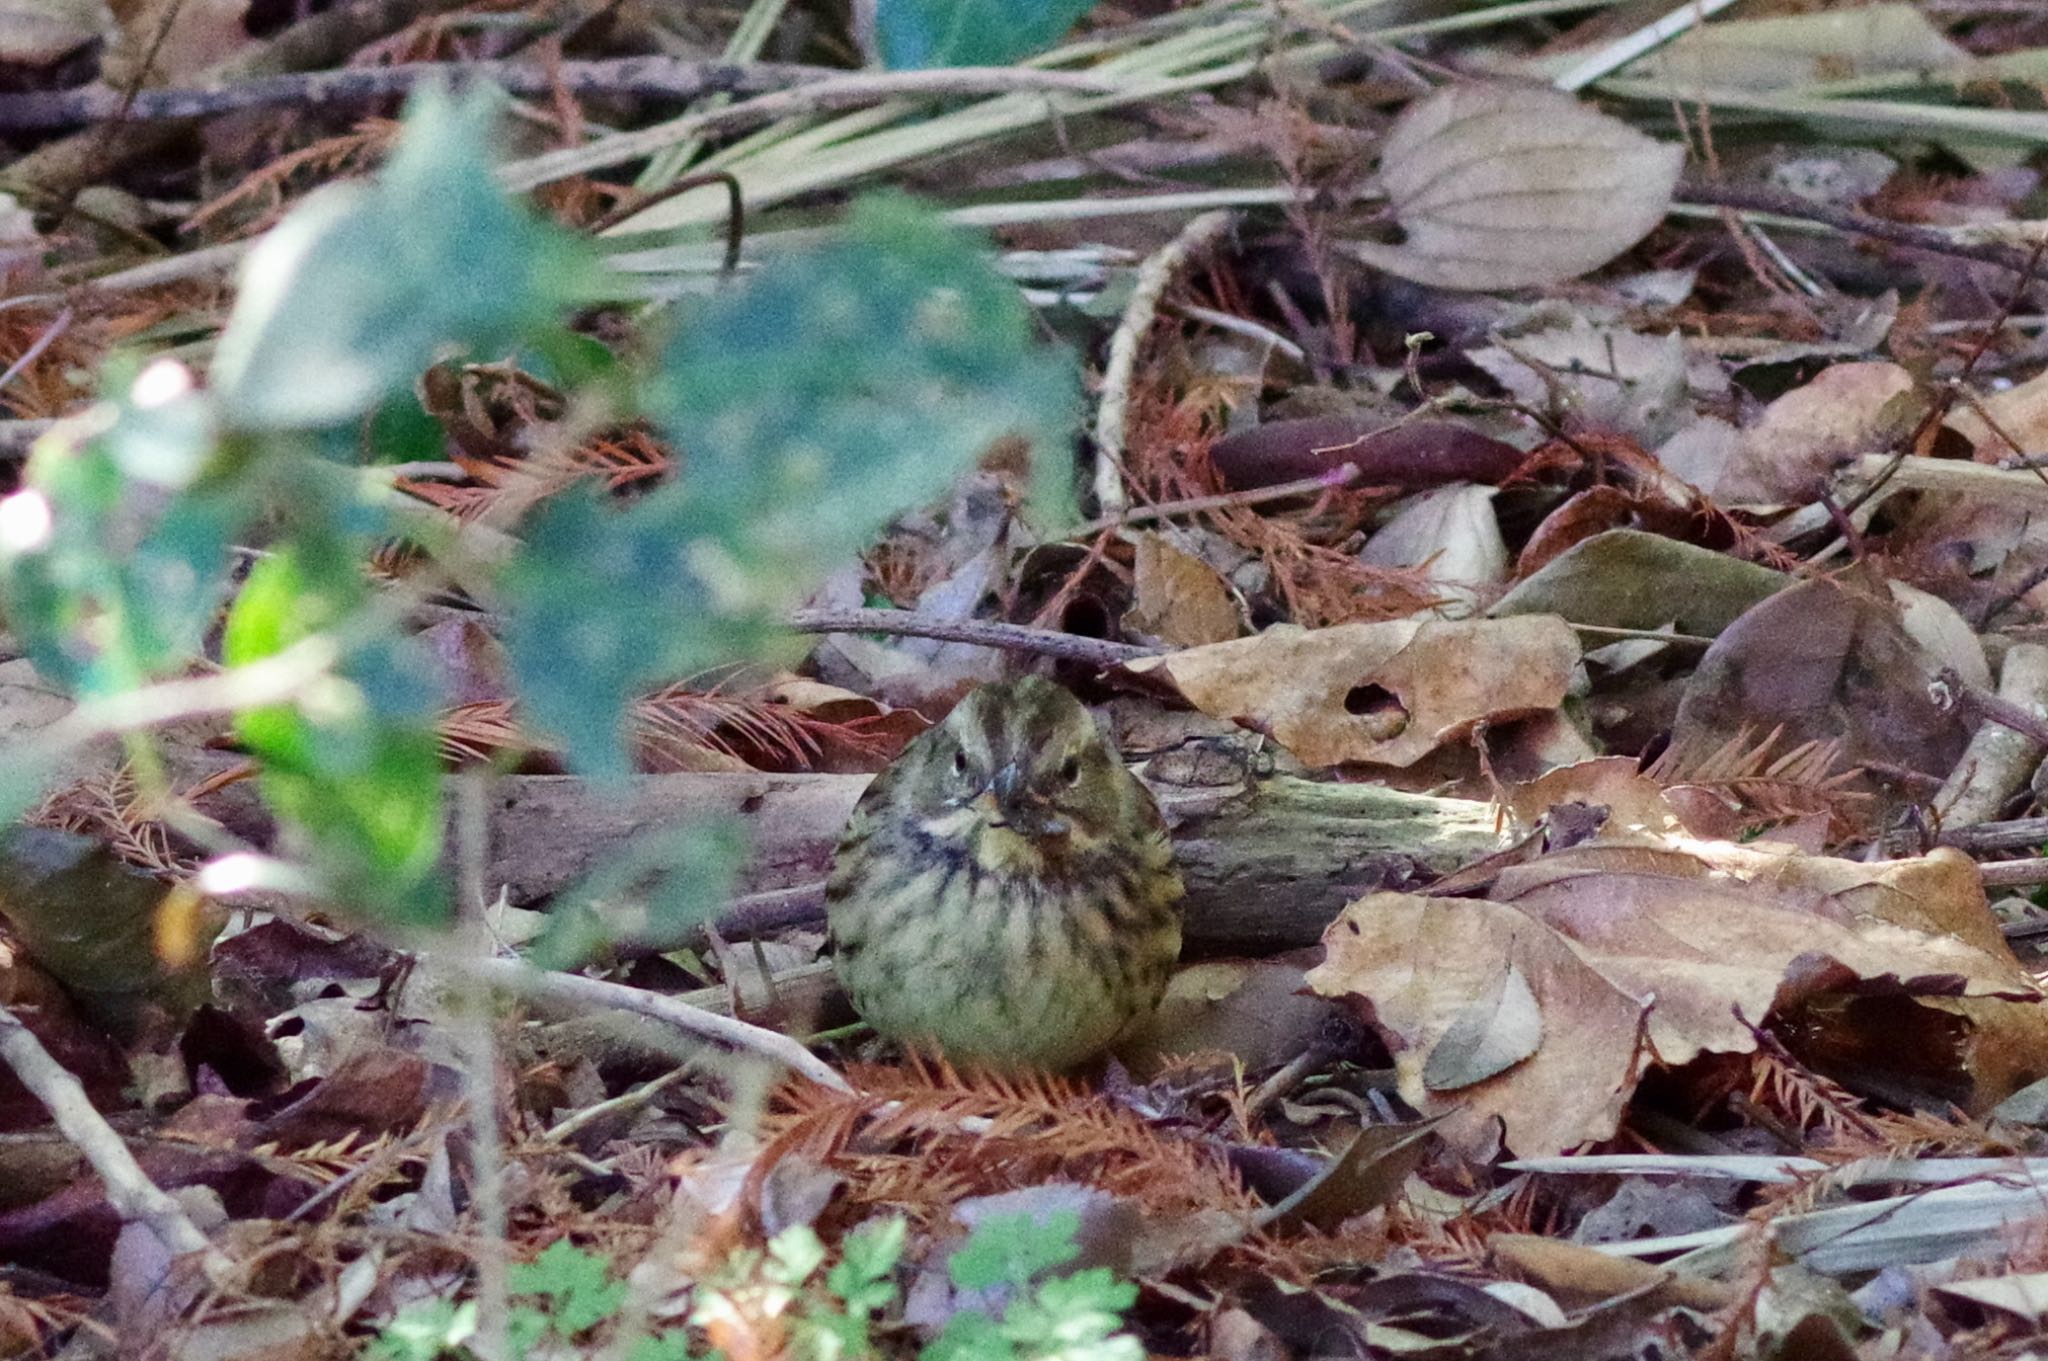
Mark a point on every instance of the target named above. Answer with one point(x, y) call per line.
point(845, 385)
point(970, 1337)
point(794, 1254)
point(867, 1256)
point(655, 890)
point(604, 604)
point(673, 1345)
point(1012, 1249)
point(577, 1286)
point(1076, 1317)
point(354, 766)
point(424, 1330)
point(835, 389)
point(114, 558)
point(919, 33)
point(362, 286)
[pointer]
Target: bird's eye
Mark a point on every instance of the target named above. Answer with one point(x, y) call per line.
point(959, 763)
point(1070, 770)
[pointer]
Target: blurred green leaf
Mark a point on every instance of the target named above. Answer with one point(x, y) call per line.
point(850, 383)
point(115, 558)
point(655, 891)
point(354, 766)
point(603, 604)
point(913, 34)
point(356, 292)
point(1012, 1249)
point(835, 389)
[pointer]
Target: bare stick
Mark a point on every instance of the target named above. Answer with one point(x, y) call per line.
point(578, 991)
point(982, 632)
point(1153, 277)
point(129, 1190)
point(656, 77)
point(1842, 219)
point(1343, 475)
point(1999, 758)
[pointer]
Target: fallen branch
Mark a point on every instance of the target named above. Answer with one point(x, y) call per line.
point(576, 991)
point(1267, 865)
point(132, 1194)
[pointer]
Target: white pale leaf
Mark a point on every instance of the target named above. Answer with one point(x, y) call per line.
point(1512, 186)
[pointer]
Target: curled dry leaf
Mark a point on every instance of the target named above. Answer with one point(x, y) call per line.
point(1511, 186)
point(1635, 954)
point(2006, 424)
point(1829, 659)
point(1452, 535)
point(1386, 693)
point(1847, 410)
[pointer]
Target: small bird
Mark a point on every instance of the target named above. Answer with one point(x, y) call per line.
point(1005, 893)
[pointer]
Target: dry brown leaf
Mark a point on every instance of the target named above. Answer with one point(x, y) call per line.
point(1180, 599)
point(178, 39)
point(1718, 952)
point(2005, 424)
point(1510, 186)
point(1846, 410)
point(1415, 965)
point(1786, 50)
point(1824, 659)
point(1386, 693)
point(1633, 953)
point(1252, 1010)
point(1450, 533)
point(35, 32)
point(1632, 799)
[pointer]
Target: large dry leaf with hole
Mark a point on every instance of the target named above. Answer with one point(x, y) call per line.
point(1386, 693)
point(1610, 957)
point(1511, 186)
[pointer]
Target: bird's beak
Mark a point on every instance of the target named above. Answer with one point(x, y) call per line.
point(1008, 784)
point(998, 802)
point(1009, 802)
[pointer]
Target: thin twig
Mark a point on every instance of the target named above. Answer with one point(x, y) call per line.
point(980, 632)
point(596, 994)
point(133, 1195)
point(656, 77)
point(1343, 475)
point(1782, 204)
point(1153, 277)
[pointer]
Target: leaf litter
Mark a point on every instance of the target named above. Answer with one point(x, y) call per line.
point(1636, 527)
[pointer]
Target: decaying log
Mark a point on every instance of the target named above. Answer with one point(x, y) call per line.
point(1267, 864)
